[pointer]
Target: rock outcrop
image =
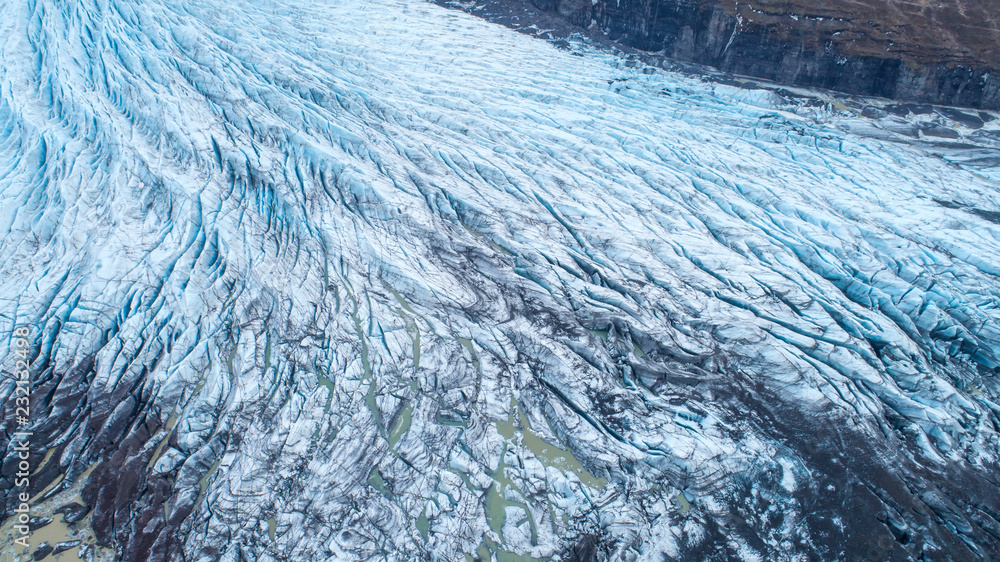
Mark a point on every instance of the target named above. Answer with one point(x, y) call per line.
point(938, 52)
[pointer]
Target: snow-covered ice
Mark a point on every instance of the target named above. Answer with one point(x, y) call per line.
point(379, 280)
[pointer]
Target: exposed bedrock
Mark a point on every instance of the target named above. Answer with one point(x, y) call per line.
point(938, 52)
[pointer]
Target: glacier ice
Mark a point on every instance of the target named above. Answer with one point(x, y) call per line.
point(355, 281)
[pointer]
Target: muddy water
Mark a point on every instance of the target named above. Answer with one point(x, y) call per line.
point(547, 453)
point(497, 502)
point(402, 425)
point(488, 547)
point(517, 429)
point(55, 532)
point(375, 481)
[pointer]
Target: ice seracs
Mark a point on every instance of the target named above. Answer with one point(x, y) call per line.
point(364, 281)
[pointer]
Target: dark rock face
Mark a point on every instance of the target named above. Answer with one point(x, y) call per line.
point(42, 551)
point(586, 550)
point(943, 54)
point(64, 546)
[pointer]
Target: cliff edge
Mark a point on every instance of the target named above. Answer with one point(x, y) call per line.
point(944, 52)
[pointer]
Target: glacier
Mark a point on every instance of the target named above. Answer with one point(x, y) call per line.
point(383, 281)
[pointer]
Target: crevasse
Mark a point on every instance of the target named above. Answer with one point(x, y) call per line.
point(353, 281)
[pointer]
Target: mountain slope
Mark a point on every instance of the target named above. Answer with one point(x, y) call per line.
point(945, 53)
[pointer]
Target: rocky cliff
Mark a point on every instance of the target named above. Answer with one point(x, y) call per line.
point(944, 52)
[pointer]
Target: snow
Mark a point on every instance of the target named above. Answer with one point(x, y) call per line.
point(185, 185)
